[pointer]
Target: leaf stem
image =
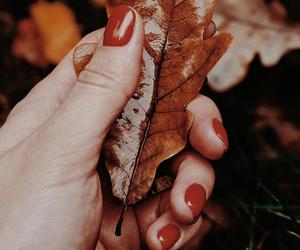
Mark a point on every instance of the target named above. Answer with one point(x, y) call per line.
point(118, 230)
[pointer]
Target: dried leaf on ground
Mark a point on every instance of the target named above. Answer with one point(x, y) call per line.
point(257, 28)
point(154, 124)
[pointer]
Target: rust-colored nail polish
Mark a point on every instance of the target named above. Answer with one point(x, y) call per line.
point(168, 236)
point(195, 197)
point(221, 132)
point(119, 27)
point(210, 31)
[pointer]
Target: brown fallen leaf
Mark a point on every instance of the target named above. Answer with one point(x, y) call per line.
point(57, 27)
point(154, 124)
point(257, 28)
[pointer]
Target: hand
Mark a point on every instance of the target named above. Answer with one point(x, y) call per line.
point(50, 192)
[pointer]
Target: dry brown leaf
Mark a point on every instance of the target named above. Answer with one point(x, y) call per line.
point(154, 124)
point(58, 28)
point(257, 28)
point(147, 134)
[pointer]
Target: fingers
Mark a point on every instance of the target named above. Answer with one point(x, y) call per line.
point(43, 100)
point(193, 185)
point(166, 233)
point(170, 220)
point(104, 86)
point(208, 136)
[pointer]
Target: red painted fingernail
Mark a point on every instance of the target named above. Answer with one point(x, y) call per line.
point(119, 28)
point(221, 133)
point(168, 236)
point(195, 197)
point(210, 31)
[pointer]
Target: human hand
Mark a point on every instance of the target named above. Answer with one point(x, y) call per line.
point(50, 192)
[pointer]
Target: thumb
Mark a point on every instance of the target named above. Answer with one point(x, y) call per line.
point(108, 81)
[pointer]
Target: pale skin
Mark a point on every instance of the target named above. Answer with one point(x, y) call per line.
point(50, 191)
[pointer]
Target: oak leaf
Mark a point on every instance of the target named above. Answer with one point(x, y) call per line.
point(154, 124)
point(257, 28)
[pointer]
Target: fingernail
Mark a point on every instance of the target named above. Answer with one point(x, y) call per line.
point(210, 31)
point(119, 28)
point(221, 133)
point(195, 197)
point(168, 236)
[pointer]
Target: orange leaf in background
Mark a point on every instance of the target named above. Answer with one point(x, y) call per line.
point(57, 27)
point(258, 28)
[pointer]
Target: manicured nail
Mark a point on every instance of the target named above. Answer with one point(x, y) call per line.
point(210, 31)
point(119, 27)
point(168, 236)
point(195, 197)
point(221, 133)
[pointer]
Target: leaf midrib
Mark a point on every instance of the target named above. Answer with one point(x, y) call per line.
point(136, 163)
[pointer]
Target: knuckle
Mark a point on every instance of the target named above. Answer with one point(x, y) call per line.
point(107, 81)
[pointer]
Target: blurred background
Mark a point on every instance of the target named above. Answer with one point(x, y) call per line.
point(256, 202)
